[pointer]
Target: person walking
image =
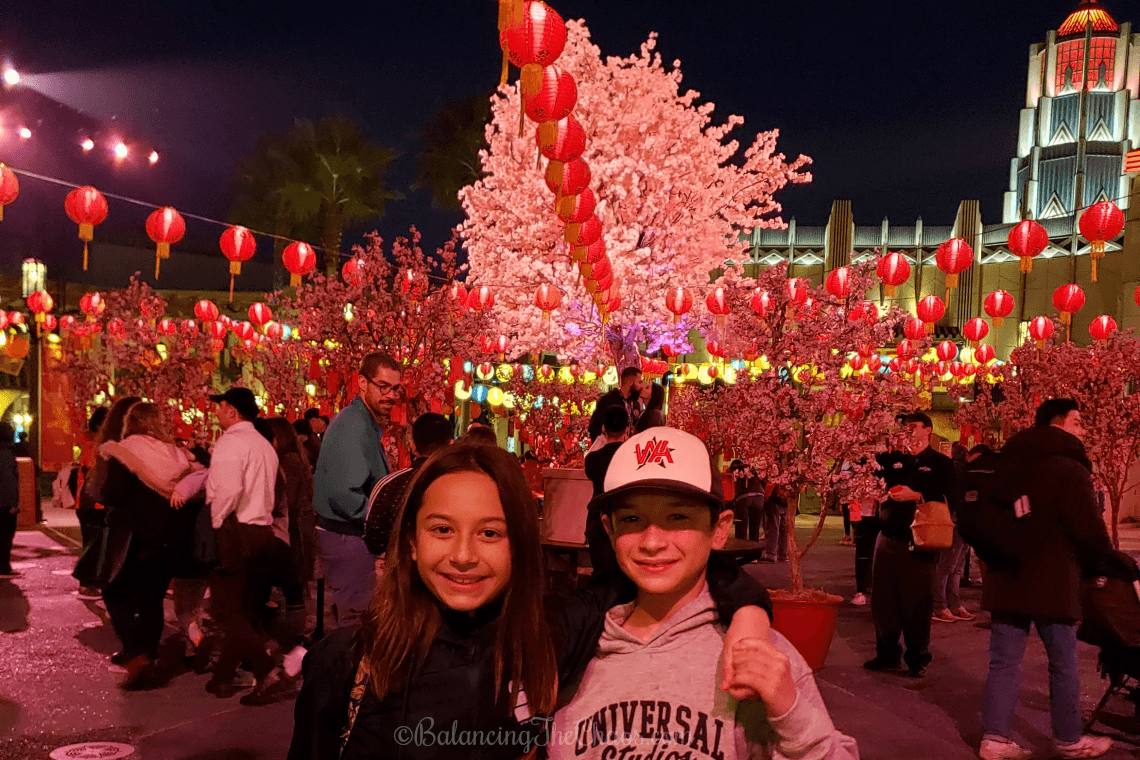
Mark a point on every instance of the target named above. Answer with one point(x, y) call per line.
point(948, 607)
point(240, 492)
point(1045, 473)
point(902, 575)
point(9, 499)
point(352, 462)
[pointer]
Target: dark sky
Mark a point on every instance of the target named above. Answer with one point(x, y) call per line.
point(906, 108)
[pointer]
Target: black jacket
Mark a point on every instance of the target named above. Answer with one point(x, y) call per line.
point(613, 398)
point(597, 463)
point(928, 472)
point(148, 515)
point(455, 682)
point(1063, 534)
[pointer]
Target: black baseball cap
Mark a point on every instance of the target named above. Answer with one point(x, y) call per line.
point(241, 399)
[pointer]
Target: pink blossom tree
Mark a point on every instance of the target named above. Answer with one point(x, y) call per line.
point(673, 195)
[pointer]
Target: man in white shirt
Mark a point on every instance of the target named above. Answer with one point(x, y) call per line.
point(240, 492)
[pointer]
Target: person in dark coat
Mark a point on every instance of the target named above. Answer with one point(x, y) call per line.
point(9, 499)
point(602, 558)
point(1046, 474)
point(627, 394)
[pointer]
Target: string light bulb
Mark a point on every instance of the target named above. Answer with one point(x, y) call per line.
point(11, 77)
point(25, 133)
point(153, 157)
point(121, 150)
point(87, 144)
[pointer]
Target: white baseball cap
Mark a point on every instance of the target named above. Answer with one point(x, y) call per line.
point(662, 459)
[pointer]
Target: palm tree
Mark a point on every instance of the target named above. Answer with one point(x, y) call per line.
point(449, 156)
point(312, 181)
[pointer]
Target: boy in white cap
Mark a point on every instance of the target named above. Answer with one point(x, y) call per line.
point(652, 688)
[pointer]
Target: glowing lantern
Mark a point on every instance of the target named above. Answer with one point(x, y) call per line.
point(578, 208)
point(914, 328)
point(893, 271)
point(838, 282)
point(260, 314)
point(715, 348)
point(976, 330)
point(954, 257)
point(40, 303)
point(244, 331)
point(761, 303)
point(480, 298)
point(67, 323)
point(9, 188)
point(1102, 327)
point(165, 227)
point(206, 311)
point(557, 94)
point(567, 179)
point(678, 301)
point(1068, 299)
point(92, 305)
point(457, 296)
point(237, 245)
point(275, 331)
point(547, 298)
point(947, 351)
point(218, 330)
point(797, 291)
point(167, 327)
point(984, 354)
point(999, 305)
point(1041, 329)
point(905, 349)
point(531, 42)
point(717, 303)
point(116, 328)
point(87, 207)
point(1100, 223)
point(1026, 241)
point(957, 369)
point(584, 234)
point(562, 139)
point(502, 345)
point(299, 259)
point(353, 272)
point(930, 310)
point(190, 328)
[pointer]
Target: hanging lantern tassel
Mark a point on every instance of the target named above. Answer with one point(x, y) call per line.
point(1066, 318)
point(86, 234)
point(998, 321)
point(295, 281)
point(530, 84)
point(510, 14)
point(235, 269)
point(929, 328)
point(1097, 253)
point(1026, 265)
point(161, 251)
point(888, 290)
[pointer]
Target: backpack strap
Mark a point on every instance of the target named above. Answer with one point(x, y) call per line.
point(355, 697)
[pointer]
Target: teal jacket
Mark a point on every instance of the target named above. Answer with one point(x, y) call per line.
point(351, 462)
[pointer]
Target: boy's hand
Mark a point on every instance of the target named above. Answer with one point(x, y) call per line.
point(749, 622)
point(763, 672)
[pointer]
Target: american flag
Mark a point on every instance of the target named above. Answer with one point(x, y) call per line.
point(1132, 162)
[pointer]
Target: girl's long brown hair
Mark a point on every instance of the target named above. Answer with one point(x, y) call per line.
point(112, 428)
point(286, 440)
point(405, 616)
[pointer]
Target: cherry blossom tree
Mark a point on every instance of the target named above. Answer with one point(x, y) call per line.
point(552, 415)
point(673, 196)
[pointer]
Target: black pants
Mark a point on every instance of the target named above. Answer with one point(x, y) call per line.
point(602, 557)
point(749, 509)
point(903, 602)
point(91, 523)
point(866, 533)
point(134, 599)
point(846, 520)
point(7, 536)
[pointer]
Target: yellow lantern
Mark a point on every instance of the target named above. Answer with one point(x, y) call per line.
point(565, 377)
point(611, 376)
point(495, 397)
point(462, 392)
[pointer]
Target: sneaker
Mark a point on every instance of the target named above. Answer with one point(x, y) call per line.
point(859, 600)
point(916, 672)
point(994, 748)
point(89, 594)
point(878, 664)
point(1087, 746)
point(269, 689)
point(963, 614)
point(291, 663)
point(120, 658)
point(846, 541)
point(944, 616)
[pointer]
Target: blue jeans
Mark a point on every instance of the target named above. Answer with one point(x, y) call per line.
point(948, 575)
point(350, 574)
point(1008, 637)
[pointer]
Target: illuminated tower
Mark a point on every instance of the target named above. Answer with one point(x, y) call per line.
point(1059, 154)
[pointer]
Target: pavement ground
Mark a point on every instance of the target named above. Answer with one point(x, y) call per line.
point(57, 688)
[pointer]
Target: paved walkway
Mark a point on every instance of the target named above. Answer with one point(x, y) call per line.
point(56, 687)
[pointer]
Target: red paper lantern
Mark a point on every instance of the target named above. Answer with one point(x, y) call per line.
point(896, 365)
point(190, 328)
point(299, 259)
point(678, 301)
point(874, 363)
point(218, 330)
point(165, 227)
point(116, 328)
point(556, 97)
point(274, 330)
point(1026, 241)
point(715, 348)
point(562, 140)
point(533, 41)
point(1068, 299)
point(238, 245)
point(984, 354)
point(1041, 329)
point(480, 298)
point(9, 188)
point(798, 291)
point(947, 350)
point(567, 179)
point(502, 345)
point(260, 314)
point(66, 323)
point(905, 349)
point(957, 369)
point(930, 310)
point(244, 331)
point(578, 208)
point(353, 272)
point(40, 302)
point(761, 302)
point(976, 330)
point(717, 303)
point(954, 257)
point(838, 282)
point(457, 295)
point(856, 363)
point(547, 298)
point(167, 327)
point(1102, 327)
point(50, 322)
point(1100, 223)
point(206, 311)
point(999, 305)
point(914, 328)
point(87, 207)
point(92, 305)
point(893, 271)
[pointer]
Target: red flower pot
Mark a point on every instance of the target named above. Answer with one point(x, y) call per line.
point(808, 623)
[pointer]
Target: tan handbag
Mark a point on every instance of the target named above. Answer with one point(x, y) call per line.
point(932, 529)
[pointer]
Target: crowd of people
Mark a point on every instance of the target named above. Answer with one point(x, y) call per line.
point(438, 608)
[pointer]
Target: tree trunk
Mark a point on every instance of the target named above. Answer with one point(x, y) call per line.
point(624, 351)
point(1114, 502)
point(795, 571)
point(331, 239)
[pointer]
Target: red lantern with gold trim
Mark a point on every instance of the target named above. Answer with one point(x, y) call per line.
point(1068, 299)
point(984, 354)
point(1041, 329)
point(9, 188)
point(893, 270)
point(533, 41)
point(260, 314)
point(930, 309)
point(206, 311)
point(92, 305)
point(238, 245)
point(914, 328)
point(998, 305)
point(1102, 327)
point(1026, 241)
point(838, 282)
point(547, 298)
point(165, 226)
point(561, 140)
point(567, 179)
point(353, 272)
point(976, 330)
point(954, 257)
point(947, 351)
point(761, 303)
point(582, 235)
point(578, 208)
point(678, 301)
point(557, 94)
point(299, 259)
point(717, 303)
point(480, 298)
point(87, 207)
point(1100, 223)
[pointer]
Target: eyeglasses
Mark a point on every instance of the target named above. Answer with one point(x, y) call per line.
point(386, 390)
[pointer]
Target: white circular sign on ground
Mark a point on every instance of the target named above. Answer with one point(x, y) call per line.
point(92, 751)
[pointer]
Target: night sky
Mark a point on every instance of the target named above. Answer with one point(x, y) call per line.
point(906, 108)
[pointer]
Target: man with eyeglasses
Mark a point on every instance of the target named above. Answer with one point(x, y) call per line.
point(351, 462)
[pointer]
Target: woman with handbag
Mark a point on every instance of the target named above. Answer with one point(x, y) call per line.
point(142, 470)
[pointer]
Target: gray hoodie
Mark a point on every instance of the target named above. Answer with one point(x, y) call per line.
point(660, 700)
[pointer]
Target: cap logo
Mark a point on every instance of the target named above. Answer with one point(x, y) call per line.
point(655, 452)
